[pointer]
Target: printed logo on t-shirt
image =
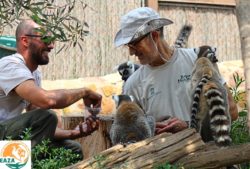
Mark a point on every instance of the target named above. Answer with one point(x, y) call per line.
point(184, 78)
point(152, 92)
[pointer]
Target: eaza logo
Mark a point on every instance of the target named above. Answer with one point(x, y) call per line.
point(15, 155)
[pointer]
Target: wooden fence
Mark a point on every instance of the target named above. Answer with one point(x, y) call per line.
point(215, 26)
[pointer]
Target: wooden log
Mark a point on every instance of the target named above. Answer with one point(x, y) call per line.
point(147, 153)
point(217, 157)
point(95, 143)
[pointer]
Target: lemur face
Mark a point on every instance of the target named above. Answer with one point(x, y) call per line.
point(122, 97)
point(208, 52)
point(126, 69)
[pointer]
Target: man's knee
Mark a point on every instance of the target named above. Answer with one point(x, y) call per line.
point(76, 148)
point(79, 150)
point(43, 122)
point(44, 115)
point(52, 116)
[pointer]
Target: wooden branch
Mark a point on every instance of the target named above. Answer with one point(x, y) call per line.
point(217, 157)
point(147, 153)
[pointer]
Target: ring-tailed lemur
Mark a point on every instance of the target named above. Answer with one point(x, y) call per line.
point(209, 113)
point(202, 51)
point(130, 122)
point(126, 69)
point(207, 51)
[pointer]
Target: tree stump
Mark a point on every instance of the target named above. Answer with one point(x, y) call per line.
point(95, 143)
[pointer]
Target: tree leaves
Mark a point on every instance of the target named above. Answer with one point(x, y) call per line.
point(58, 20)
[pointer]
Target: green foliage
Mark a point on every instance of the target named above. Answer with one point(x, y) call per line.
point(47, 157)
point(8, 138)
point(236, 92)
point(26, 134)
point(99, 162)
point(240, 134)
point(239, 129)
point(59, 20)
point(168, 166)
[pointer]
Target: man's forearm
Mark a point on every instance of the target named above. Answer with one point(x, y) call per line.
point(232, 105)
point(64, 98)
point(61, 134)
point(31, 107)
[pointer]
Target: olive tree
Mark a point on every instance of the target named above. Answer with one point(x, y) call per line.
point(58, 20)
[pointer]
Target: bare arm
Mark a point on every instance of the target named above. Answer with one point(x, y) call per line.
point(232, 105)
point(54, 98)
point(82, 130)
point(31, 107)
point(40, 98)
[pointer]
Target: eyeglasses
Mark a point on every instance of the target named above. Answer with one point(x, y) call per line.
point(136, 41)
point(45, 38)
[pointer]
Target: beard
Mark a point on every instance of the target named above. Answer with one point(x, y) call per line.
point(39, 56)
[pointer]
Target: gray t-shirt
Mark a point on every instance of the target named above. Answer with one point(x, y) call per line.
point(164, 91)
point(13, 71)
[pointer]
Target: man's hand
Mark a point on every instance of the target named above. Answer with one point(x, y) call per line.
point(92, 98)
point(171, 125)
point(85, 128)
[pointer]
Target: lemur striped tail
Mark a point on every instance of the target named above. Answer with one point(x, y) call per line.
point(219, 122)
point(196, 100)
point(181, 40)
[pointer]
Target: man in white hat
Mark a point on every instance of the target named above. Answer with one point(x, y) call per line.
point(160, 85)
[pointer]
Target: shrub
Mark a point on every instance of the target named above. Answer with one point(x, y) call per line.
point(239, 129)
point(47, 157)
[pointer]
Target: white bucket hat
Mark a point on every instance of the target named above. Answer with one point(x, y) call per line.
point(137, 23)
